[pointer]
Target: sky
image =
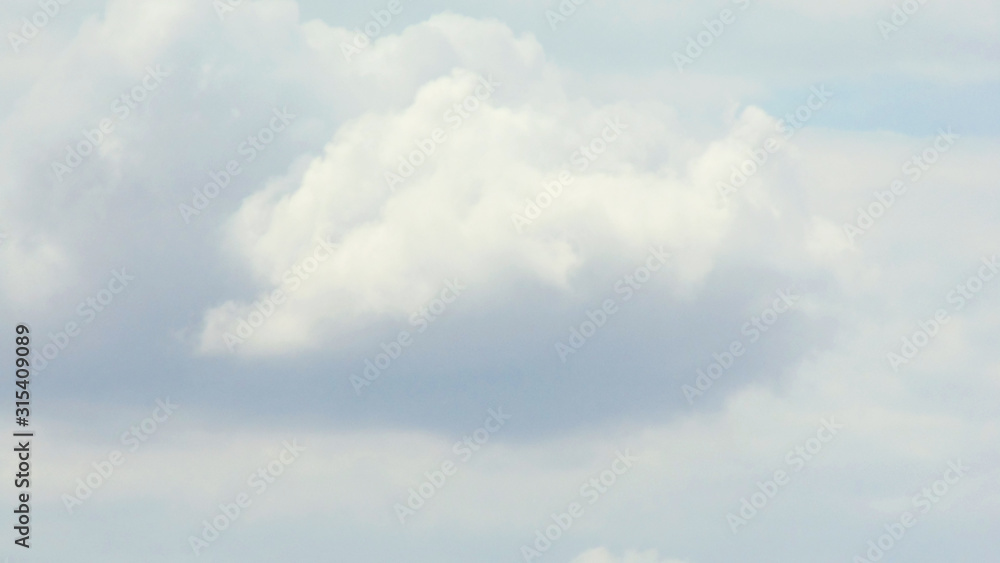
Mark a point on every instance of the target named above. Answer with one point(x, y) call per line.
point(577, 281)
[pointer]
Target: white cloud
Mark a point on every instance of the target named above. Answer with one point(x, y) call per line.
point(454, 216)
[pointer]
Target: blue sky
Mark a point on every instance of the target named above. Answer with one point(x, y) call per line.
point(251, 182)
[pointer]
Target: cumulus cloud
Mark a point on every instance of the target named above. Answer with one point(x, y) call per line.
point(472, 203)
